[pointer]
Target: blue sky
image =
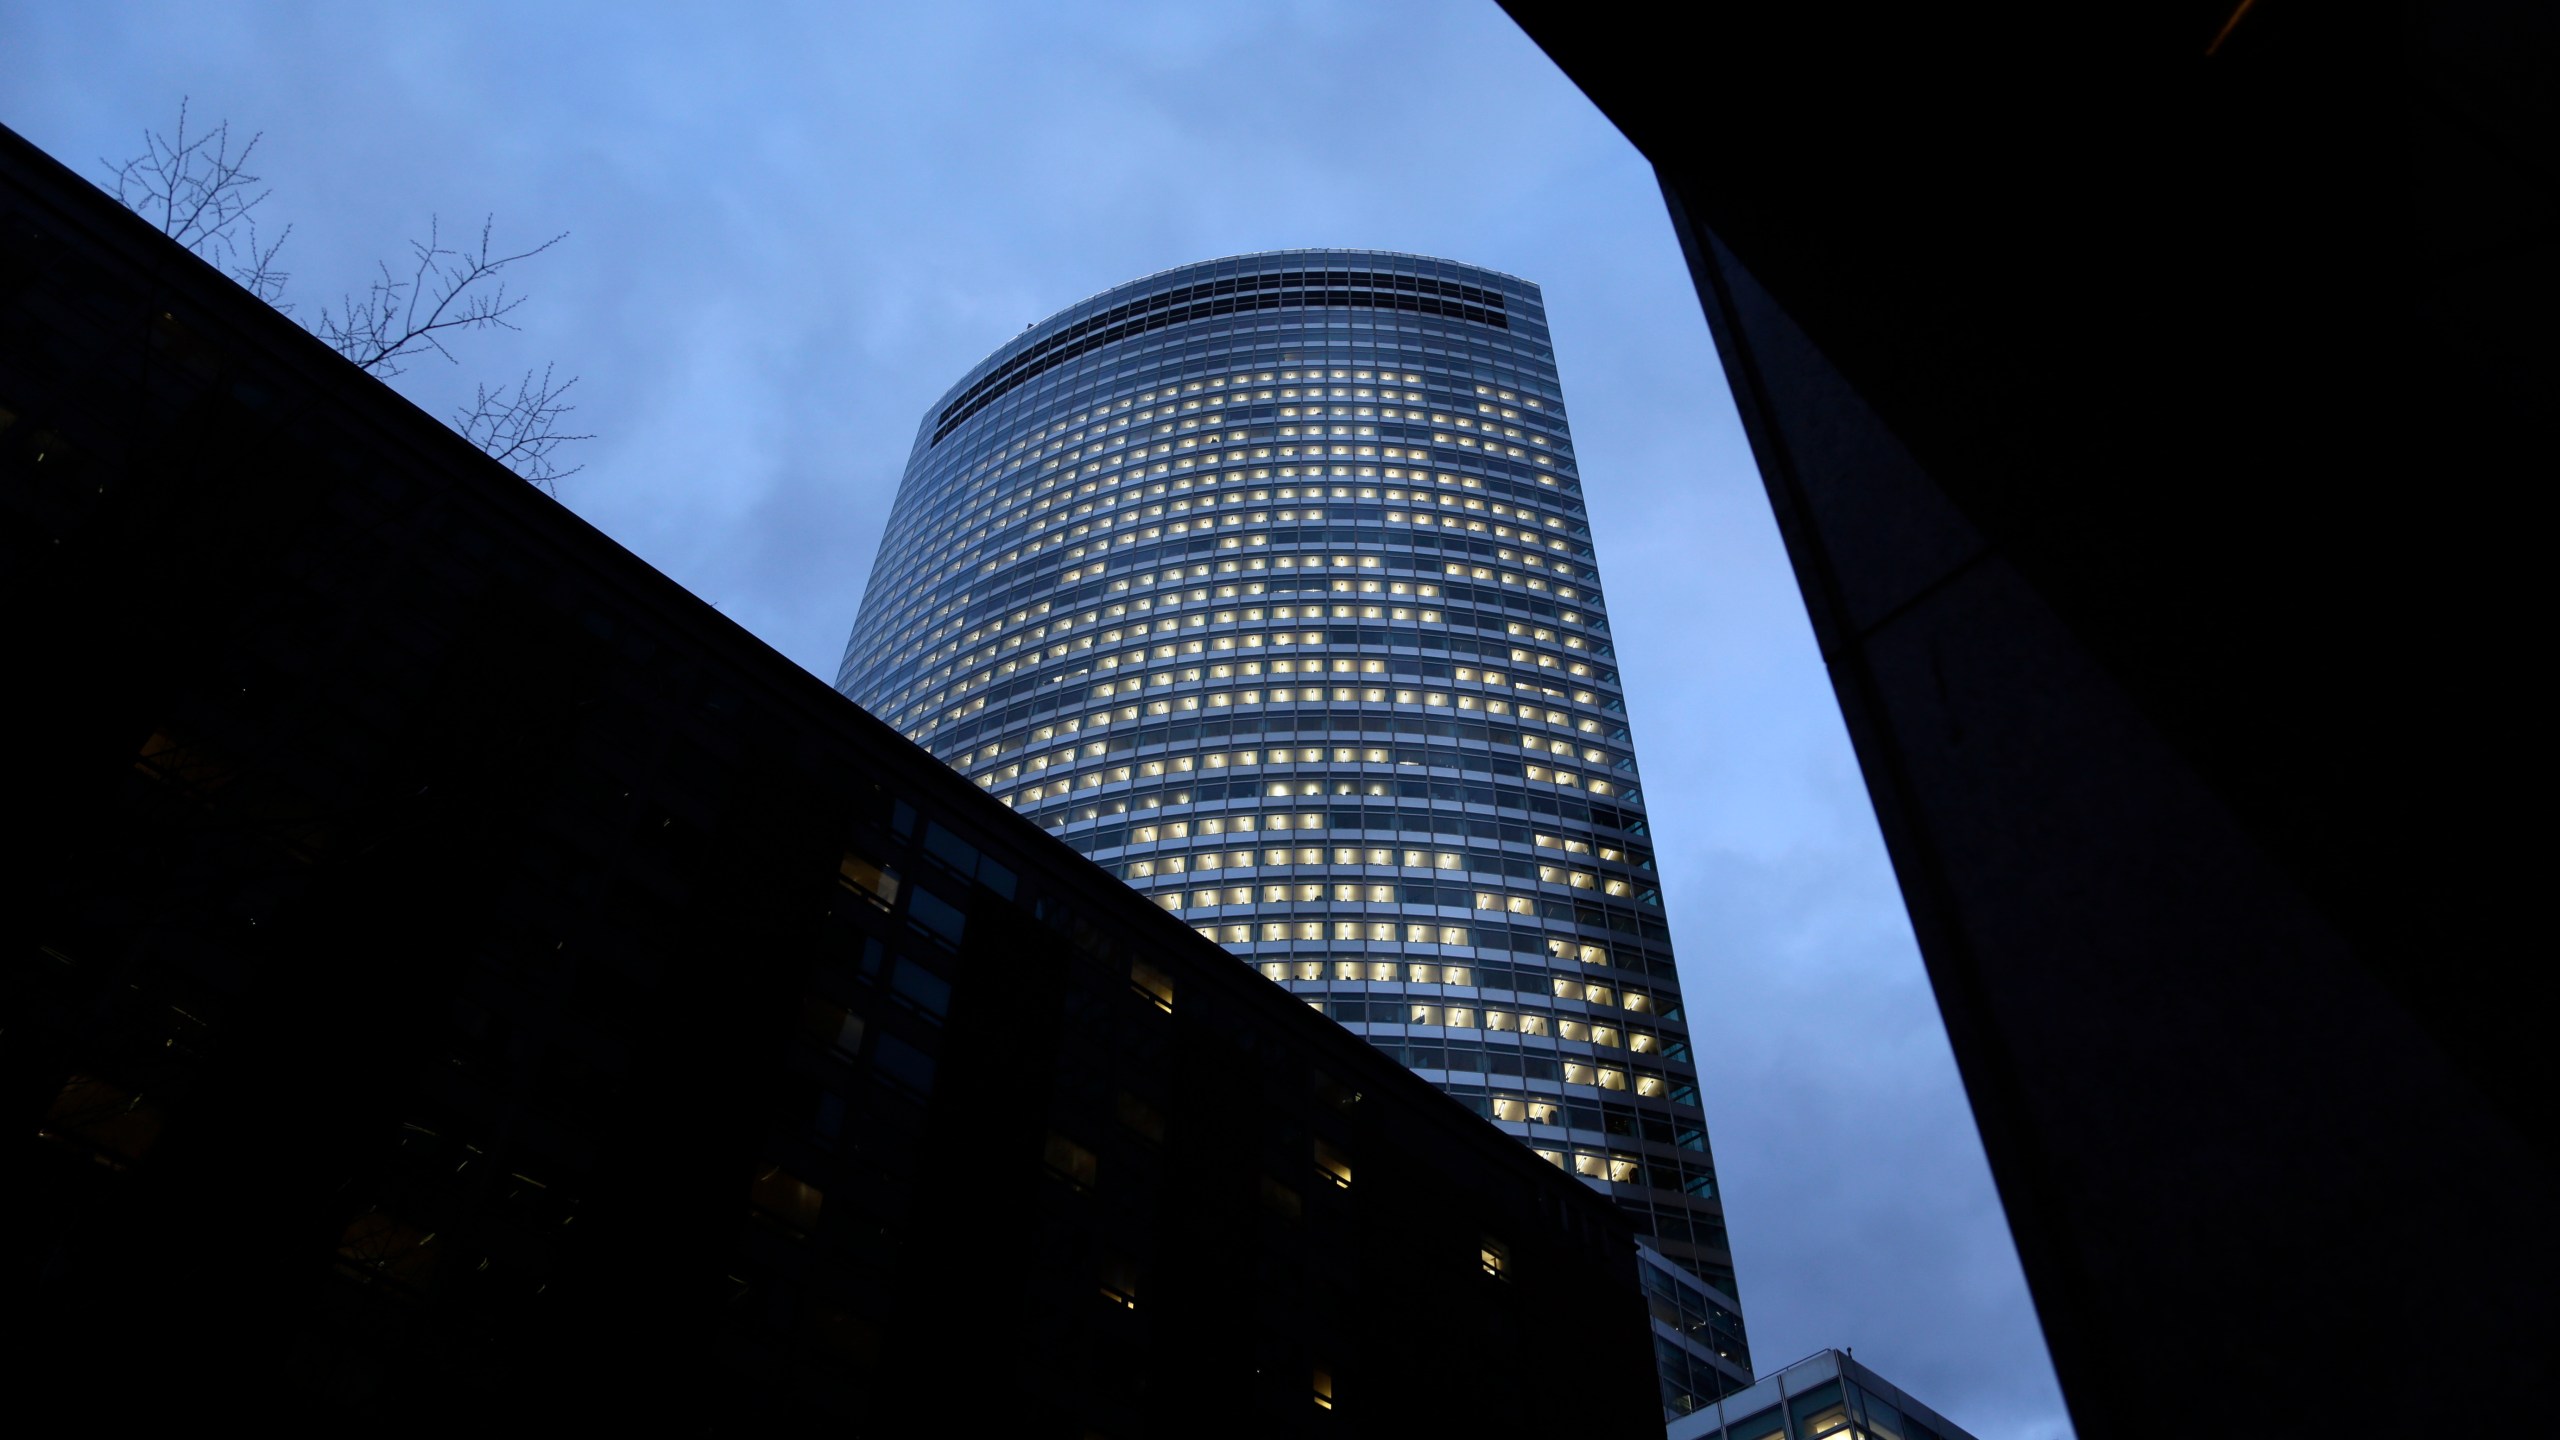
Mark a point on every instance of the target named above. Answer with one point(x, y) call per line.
point(792, 227)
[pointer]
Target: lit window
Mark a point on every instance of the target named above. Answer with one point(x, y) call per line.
point(1154, 984)
point(1333, 1164)
point(875, 883)
point(1120, 1283)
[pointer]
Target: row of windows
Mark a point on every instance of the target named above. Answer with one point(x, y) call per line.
point(1398, 807)
point(1166, 859)
point(1607, 933)
point(930, 545)
point(1065, 663)
point(1582, 1029)
point(1245, 519)
point(1259, 583)
point(1061, 488)
point(1376, 660)
point(1413, 760)
point(1250, 301)
point(1464, 735)
point(1359, 733)
point(1374, 397)
point(1397, 606)
point(1251, 529)
point(1589, 1074)
point(1404, 656)
point(1201, 382)
point(1447, 605)
point(1207, 383)
point(1170, 467)
point(1484, 978)
point(1257, 601)
point(1133, 728)
point(1454, 561)
point(1252, 488)
point(1386, 893)
point(1384, 857)
point(1069, 662)
point(945, 544)
point(1248, 568)
point(1387, 702)
point(1376, 348)
point(1441, 820)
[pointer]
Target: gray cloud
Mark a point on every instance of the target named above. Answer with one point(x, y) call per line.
point(793, 226)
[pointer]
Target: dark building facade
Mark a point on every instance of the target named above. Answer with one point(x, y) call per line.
point(2146, 395)
point(1827, 1395)
point(456, 977)
point(1266, 583)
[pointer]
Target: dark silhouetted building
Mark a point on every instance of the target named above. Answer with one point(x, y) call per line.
point(456, 978)
point(2147, 395)
point(1266, 583)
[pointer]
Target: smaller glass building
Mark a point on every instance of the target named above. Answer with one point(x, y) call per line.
point(1826, 1396)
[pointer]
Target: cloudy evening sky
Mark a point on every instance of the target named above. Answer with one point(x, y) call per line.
point(792, 228)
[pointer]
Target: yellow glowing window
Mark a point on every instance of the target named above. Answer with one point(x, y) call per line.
point(1152, 983)
point(875, 883)
point(1333, 1164)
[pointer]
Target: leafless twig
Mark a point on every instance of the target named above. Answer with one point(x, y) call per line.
point(200, 193)
point(521, 432)
point(448, 290)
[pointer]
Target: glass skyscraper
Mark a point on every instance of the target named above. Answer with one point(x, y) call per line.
point(1266, 583)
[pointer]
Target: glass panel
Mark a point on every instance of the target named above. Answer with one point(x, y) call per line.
point(1767, 1425)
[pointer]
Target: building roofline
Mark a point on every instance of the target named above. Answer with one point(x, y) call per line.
point(1008, 345)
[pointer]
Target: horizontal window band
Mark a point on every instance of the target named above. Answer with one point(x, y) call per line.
point(1175, 307)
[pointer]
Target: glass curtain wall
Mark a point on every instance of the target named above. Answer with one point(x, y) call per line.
point(1266, 583)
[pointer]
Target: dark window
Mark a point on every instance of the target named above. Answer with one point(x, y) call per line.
point(1141, 1117)
point(921, 988)
point(786, 1200)
point(937, 916)
point(903, 1063)
point(1071, 1162)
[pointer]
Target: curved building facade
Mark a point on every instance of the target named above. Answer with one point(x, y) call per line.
point(1265, 582)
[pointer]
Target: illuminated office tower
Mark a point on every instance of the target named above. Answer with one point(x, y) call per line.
point(1266, 583)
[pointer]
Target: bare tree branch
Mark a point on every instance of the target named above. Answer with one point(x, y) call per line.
point(196, 190)
point(259, 275)
point(522, 432)
point(199, 192)
point(448, 290)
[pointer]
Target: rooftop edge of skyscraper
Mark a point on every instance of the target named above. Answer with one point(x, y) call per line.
point(1160, 279)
